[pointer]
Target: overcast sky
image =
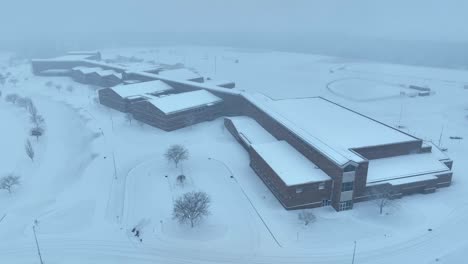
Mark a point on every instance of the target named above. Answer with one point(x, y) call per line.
point(396, 19)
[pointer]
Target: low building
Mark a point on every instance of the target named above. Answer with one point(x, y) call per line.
point(182, 75)
point(122, 97)
point(96, 76)
point(176, 111)
point(358, 153)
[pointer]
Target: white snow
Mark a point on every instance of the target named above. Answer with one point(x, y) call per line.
point(290, 165)
point(179, 74)
point(184, 101)
point(141, 88)
point(72, 186)
point(251, 131)
point(404, 166)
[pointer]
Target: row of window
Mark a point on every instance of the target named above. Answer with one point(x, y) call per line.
point(321, 186)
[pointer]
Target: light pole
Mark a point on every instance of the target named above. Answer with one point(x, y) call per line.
point(37, 245)
point(354, 251)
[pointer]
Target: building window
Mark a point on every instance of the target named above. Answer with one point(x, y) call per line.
point(299, 190)
point(347, 205)
point(349, 168)
point(321, 186)
point(347, 186)
point(326, 202)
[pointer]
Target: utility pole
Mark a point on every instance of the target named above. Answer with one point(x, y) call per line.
point(37, 245)
point(354, 251)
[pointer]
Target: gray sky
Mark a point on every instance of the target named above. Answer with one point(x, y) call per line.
point(396, 19)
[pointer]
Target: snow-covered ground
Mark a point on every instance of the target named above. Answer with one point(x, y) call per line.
point(85, 206)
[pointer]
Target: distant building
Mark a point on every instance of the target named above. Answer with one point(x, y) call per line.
point(122, 97)
point(96, 76)
point(176, 111)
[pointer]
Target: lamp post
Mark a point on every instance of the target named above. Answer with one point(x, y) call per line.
point(354, 251)
point(37, 245)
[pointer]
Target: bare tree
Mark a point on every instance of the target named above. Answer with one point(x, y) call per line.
point(191, 208)
point(24, 102)
point(306, 216)
point(176, 154)
point(58, 87)
point(35, 117)
point(382, 196)
point(181, 179)
point(29, 150)
point(7, 182)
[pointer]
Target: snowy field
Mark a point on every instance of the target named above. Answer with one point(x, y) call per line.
point(85, 207)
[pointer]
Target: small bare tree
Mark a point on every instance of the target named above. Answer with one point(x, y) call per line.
point(35, 117)
point(29, 150)
point(181, 179)
point(7, 182)
point(191, 208)
point(176, 154)
point(382, 196)
point(306, 216)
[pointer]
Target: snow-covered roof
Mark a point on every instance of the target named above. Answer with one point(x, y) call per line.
point(332, 129)
point(250, 131)
point(87, 70)
point(290, 165)
point(106, 73)
point(141, 89)
point(184, 101)
point(404, 166)
point(179, 74)
point(408, 180)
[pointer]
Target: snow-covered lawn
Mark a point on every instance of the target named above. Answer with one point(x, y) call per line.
point(86, 207)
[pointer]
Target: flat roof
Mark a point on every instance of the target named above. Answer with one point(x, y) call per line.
point(184, 101)
point(105, 73)
point(87, 70)
point(290, 165)
point(179, 74)
point(142, 88)
point(251, 131)
point(332, 129)
point(404, 166)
